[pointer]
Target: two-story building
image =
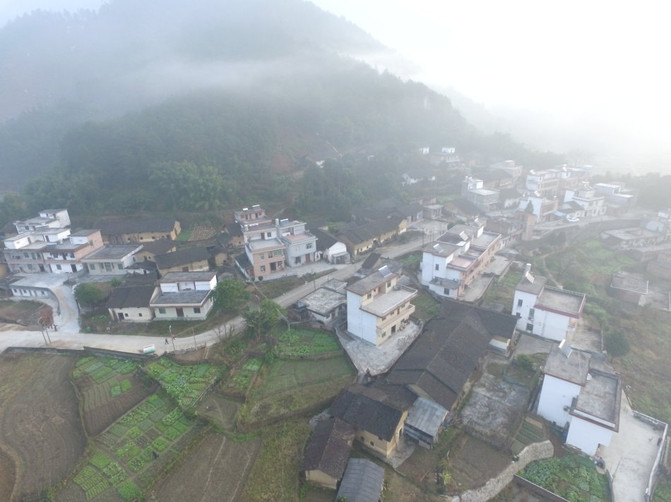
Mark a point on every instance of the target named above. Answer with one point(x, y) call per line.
point(111, 259)
point(544, 311)
point(454, 260)
point(377, 307)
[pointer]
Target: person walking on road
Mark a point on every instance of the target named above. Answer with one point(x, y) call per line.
point(166, 341)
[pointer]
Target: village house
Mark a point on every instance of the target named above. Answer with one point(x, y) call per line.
point(581, 396)
point(184, 260)
point(652, 231)
point(46, 244)
point(454, 260)
point(327, 451)
point(131, 304)
point(361, 238)
point(545, 311)
point(329, 248)
point(441, 361)
point(473, 190)
point(184, 296)
point(326, 305)
point(300, 245)
point(111, 259)
point(150, 250)
point(551, 183)
point(378, 307)
point(376, 412)
point(630, 288)
point(590, 203)
point(363, 481)
point(139, 230)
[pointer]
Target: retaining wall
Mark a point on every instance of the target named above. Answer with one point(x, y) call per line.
point(533, 452)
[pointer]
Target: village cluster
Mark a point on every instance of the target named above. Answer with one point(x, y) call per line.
point(413, 377)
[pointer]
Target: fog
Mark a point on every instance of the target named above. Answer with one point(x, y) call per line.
point(585, 77)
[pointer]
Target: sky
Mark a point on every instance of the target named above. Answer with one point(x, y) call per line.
point(596, 68)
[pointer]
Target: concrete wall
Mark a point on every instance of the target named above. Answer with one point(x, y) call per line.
point(587, 436)
point(555, 399)
point(550, 325)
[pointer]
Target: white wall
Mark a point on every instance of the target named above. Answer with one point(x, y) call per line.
point(528, 300)
point(132, 314)
point(587, 436)
point(550, 325)
point(360, 323)
point(555, 400)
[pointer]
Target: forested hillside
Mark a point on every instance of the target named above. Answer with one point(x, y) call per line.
point(151, 106)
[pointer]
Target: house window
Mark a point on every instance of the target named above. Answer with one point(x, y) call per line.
point(161, 311)
point(530, 327)
point(389, 285)
point(531, 313)
point(119, 266)
point(263, 268)
point(196, 310)
point(437, 266)
point(519, 303)
point(125, 314)
point(92, 266)
point(372, 444)
point(308, 245)
point(369, 296)
point(139, 314)
point(58, 267)
point(298, 260)
point(446, 291)
point(262, 256)
point(268, 235)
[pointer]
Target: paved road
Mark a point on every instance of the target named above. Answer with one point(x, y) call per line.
point(68, 335)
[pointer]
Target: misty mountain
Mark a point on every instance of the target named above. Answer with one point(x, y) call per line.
point(111, 109)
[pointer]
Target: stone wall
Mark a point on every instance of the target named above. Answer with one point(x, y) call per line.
point(533, 452)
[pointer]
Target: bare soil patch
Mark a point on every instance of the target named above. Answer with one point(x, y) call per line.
point(22, 312)
point(100, 410)
point(216, 470)
point(40, 426)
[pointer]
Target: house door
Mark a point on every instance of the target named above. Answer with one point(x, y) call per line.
point(74, 268)
point(307, 258)
point(120, 316)
point(41, 268)
point(180, 312)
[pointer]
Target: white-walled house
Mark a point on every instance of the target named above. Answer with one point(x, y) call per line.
point(580, 398)
point(545, 311)
point(454, 260)
point(184, 296)
point(111, 259)
point(377, 308)
point(131, 304)
point(299, 244)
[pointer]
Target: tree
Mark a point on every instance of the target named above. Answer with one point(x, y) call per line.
point(263, 320)
point(616, 343)
point(89, 295)
point(230, 295)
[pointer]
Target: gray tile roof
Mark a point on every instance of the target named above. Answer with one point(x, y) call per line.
point(363, 481)
point(129, 297)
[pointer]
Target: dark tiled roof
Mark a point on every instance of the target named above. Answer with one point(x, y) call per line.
point(443, 357)
point(357, 234)
point(138, 296)
point(181, 257)
point(234, 230)
point(136, 226)
point(375, 409)
point(159, 246)
point(371, 261)
point(363, 481)
point(328, 448)
point(324, 239)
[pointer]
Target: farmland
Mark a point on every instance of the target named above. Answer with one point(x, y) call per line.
point(39, 423)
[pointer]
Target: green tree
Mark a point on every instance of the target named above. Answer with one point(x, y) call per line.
point(261, 321)
point(89, 295)
point(616, 343)
point(230, 295)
